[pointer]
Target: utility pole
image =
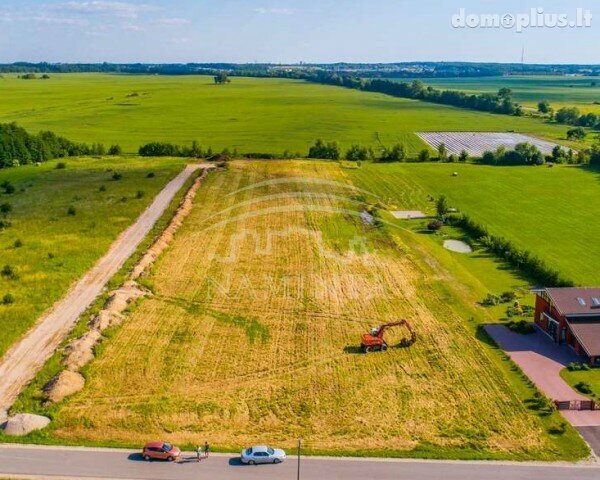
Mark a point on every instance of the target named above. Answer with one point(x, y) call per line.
point(299, 448)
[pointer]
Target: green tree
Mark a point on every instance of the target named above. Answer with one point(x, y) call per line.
point(424, 155)
point(442, 152)
point(115, 150)
point(576, 133)
point(442, 206)
point(464, 156)
point(222, 78)
point(544, 107)
point(357, 153)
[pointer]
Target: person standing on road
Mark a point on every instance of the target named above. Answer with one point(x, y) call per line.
point(206, 449)
point(198, 453)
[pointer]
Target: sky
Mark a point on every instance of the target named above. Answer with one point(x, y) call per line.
point(288, 31)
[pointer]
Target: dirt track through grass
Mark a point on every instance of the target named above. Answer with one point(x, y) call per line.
point(253, 334)
point(25, 358)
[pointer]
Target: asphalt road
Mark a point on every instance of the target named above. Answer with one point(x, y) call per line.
point(70, 463)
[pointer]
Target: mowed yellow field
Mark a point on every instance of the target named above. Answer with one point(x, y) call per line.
point(253, 334)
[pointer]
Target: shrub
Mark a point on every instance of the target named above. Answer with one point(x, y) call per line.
point(8, 299)
point(18, 243)
point(159, 149)
point(490, 300)
point(5, 208)
point(9, 272)
point(140, 194)
point(435, 225)
point(4, 224)
point(522, 326)
point(508, 297)
point(557, 428)
point(151, 175)
point(115, 150)
point(71, 211)
point(396, 154)
point(102, 188)
point(8, 187)
point(357, 153)
point(576, 133)
point(584, 388)
point(464, 156)
point(320, 149)
point(117, 176)
point(576, 367)
point(424, 155)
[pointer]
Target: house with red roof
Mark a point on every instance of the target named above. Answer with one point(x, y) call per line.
point(571, 316)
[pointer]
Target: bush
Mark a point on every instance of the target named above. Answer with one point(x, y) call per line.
point(396, 154)
point(102, 188)
point(357, 153)
point(151, 175)
point(71, 211)
point(18, 243)
point(159, 149)
point(490, 300)
point(508, 297)
point(435, 225)
point(584, 388)
point(8, 299)
point(557, 428)
point(61, 166)
point(115, 150)
point(522, 326)
point(140, 194)
point(320, 149)
point(117, 176)
point(5, 208)
point(9, 272)
point(424, 155)
point(576, 367)
point(8, 187)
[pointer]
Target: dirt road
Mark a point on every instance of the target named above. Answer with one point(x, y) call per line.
point(26, 357)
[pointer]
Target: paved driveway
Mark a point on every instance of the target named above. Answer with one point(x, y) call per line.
point(542, 360)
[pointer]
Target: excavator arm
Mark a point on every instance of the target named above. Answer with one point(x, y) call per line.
point(375, 340)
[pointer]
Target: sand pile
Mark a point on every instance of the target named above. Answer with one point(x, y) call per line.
point(64, 384)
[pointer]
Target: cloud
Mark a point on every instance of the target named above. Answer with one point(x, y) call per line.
point(276, 11)
point(173, 21)
point(102, 7)
point(41, 17)
point(132, 27)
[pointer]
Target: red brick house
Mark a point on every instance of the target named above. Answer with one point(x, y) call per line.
point(571, 316)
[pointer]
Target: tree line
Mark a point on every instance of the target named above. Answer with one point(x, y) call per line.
point(18, 147)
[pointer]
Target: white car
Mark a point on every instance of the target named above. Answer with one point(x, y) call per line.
point(262, 454)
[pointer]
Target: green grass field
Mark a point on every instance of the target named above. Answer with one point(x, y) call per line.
point(551, 212)
point(250, 114)
point(57, 248)
point(560, 91)
point(591, 377)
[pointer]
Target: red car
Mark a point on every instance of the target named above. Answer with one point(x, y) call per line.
point(160, 451)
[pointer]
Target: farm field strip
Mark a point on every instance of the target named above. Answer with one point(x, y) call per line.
point(476, 143)
point(243, 342)
point(250, 114)
point(560, 91)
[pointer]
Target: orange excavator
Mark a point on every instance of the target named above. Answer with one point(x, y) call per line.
point(374, 341)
